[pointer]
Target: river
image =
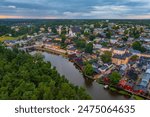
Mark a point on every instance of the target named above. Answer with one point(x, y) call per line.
point(67, 68)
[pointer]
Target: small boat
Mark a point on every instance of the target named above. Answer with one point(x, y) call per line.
point(106, 86)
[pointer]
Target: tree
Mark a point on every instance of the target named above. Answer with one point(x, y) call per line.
point(108, 34)
point(80, 44)
point(89, 48)
point(138, 46)
point(26, 77)
point(104, 44)
point(125, 39)
point(86, 34)
point(54, 30)
point(106, 57)
point(88, 70)
point(91, 37)
point(63, 37)
point(134, 58)
point(115, 77)
point(126, 32)
point(38, 57)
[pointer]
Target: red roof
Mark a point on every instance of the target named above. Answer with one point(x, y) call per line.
point(122, 82)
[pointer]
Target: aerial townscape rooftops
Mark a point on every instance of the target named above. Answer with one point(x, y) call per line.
point(115, 52)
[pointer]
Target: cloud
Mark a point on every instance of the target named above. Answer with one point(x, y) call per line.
point(75, 8)
point(13, 7)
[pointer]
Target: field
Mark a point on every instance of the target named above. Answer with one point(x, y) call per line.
point(3, 38)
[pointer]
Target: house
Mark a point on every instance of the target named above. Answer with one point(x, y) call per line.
point(103, 68)
point(71, 50)
point(144, 61)
point(113, 41)
point(97, 39)
point(87, 30)
point(48, 45)
point(135, 52)
point(10, 43)
point(132, 75)
point(96, 70)
point(42, 29)
point(79, 62)
point(49, 29)
point(58, 39)
point(39, 43)
point(147, 46)
point(148, 88)
point(98, 31)
point(129, 85)
point(97, 46)
point(145, 81)
point(119, 59)
point(95, 65)
point(103, 49)
point(122, 69)
point(122, 83)
point(59, 30)
point(145, 39)
point(119, 51)
point(73, 31)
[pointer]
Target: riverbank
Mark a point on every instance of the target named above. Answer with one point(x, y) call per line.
point(75, 76)
point(53, 51)
point(64, 54)
point(119, 91)
point(124, 92)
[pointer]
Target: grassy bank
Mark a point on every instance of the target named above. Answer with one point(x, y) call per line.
point(3, 38)
point(137, 97)
point(122, 92)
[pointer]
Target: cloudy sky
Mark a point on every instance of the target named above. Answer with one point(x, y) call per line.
point(75, 9)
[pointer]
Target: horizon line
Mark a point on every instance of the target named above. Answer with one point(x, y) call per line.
point(72, 19)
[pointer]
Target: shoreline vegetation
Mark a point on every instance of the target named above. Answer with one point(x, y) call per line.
point(110, 88)
point(121, 91)
point(27, 77)
point(3, 38)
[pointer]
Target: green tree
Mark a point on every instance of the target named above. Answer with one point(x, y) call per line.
point(134, 58)
point(106, 57)
point(89, 48)
point(88, 70)
point(115, 77)
point(108, 34)
point(26, 77)
point(80, 44)
point(126, 32)
point(63, 37)
point(125, 39)
point(138, 46)
point(92, 37)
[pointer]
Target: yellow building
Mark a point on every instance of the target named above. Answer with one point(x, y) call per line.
point(119, 51)
point(121, 59)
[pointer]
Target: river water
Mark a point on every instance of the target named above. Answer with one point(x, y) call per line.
point(67, 68)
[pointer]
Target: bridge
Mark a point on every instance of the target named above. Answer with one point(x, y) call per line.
point(28, 48)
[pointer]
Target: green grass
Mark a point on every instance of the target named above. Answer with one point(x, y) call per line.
point(124, 93)
point(113, 89)
point(138, 97)
point(3, 38)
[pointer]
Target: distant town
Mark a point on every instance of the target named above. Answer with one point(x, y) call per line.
point(113, 53)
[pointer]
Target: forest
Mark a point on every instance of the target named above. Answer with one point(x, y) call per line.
point(26, 77)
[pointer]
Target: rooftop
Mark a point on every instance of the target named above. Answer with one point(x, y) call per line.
point(124, 56)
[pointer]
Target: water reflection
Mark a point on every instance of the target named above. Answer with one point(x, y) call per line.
point(66, 68)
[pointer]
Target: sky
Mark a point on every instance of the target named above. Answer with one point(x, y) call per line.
point(75, 9)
